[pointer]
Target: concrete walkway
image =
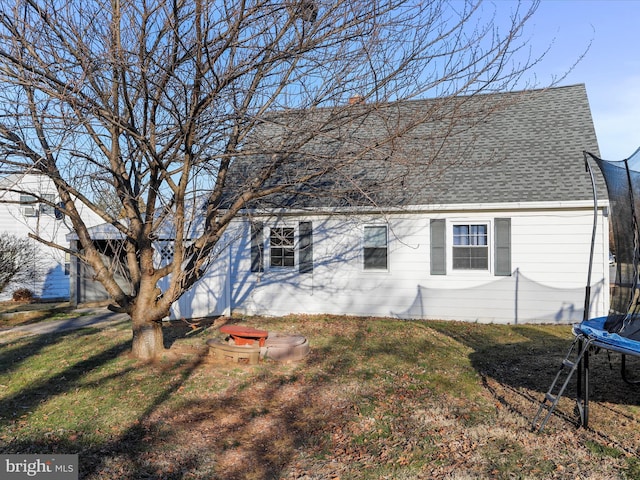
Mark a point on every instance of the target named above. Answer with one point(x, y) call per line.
point(91, 317)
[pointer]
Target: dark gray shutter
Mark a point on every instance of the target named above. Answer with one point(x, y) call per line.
point(438, 247)
point(305, 247)
point(257, 247)
point(502, 247)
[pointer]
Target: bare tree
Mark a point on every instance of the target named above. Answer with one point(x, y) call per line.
point(161, 100)
point(18, 261)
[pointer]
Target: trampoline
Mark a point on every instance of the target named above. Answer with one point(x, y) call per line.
point(619, 331)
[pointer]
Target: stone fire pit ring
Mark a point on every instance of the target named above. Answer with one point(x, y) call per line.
point(257, 345)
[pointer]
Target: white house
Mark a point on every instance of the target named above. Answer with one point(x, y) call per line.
point(22, 214)
point(503, 235)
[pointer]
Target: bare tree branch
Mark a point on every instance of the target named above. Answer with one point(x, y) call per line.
point(151, 114)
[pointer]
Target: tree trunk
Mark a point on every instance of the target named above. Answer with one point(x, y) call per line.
point(147, 338)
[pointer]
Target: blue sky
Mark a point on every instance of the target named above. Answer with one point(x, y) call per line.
point(610, 69)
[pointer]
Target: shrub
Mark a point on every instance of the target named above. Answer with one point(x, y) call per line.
point(19, 262)
point(22, 295)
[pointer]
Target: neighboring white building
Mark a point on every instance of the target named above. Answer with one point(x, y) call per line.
point(21, 214)
point(504, 236)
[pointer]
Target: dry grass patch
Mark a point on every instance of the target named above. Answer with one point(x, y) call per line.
point(13, 314)
point(376, 398)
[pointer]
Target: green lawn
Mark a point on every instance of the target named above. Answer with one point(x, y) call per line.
point(376, 398)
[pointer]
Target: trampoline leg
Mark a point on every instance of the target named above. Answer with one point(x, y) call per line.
point(582, 388)
point(582, 385)
point(623, 372)
point(579, 388)
point(585, 414)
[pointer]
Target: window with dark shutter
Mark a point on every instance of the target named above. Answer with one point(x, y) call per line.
point(305, 245)
point(282, 247)
point(257, 247)
point(438, 247)
point(502, 244)
point(470, 247)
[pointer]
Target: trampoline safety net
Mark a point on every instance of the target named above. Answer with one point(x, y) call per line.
point(622, 179)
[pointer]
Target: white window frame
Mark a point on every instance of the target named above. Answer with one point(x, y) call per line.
point(365, 246)
point(45, 208)
point(488, 247)
point(28, 205)
point(293, 247)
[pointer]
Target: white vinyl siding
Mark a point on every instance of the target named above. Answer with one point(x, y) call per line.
point(547, 255)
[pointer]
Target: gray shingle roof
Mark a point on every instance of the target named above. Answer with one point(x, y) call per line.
point(537, 146)
point(514, 147)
